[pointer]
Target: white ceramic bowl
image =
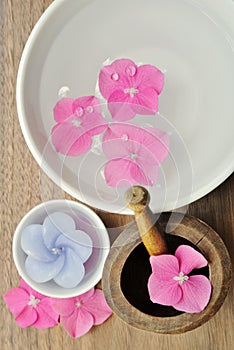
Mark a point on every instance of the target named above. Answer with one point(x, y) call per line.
point(191, 41)
point(87, 221)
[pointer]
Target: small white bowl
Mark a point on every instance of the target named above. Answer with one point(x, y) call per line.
point(87, 221)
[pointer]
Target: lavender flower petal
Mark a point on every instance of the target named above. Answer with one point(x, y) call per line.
point(40, 271)
point(33, 245)
point(72, 272)
point(81, 244)
point(54, 225)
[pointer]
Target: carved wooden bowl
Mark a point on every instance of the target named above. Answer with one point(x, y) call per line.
point(127, 270)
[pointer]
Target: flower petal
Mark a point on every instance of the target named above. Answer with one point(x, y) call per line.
point(149, 76)
point(150, 146)
point(72, 272)
point(163, 291)
point(16, 300)
point(121, 106)
point(144, 175)
point(118, 173)
point(40, 271)
point(131, 138)
point(55, 224)
point(164, 266)
point(98, 307)
point(94, 124)
point(47, 316)
point(86, 101)
point(63, 109)
point(113, 143)
point(70, 140)
point(78, 323)
point(157, 142)
point(108, 84)
point(30, 290)
point(44, 320)
point(85, 296)
point(150, 169)
point(196, 294)
point(146, 102)
point(33, 244)
point(27, 317)
point(189, 259)
point(63, 307)
point(78, 241)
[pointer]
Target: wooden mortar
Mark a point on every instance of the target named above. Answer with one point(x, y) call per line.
point(127, 267)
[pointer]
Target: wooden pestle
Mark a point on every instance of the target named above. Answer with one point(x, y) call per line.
point(137, 199)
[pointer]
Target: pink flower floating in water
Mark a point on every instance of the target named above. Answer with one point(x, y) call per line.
point(130, 89)
point(170, 283)
point(77, 121)
point(30, 307)
point(79, 314)
point(134, 154)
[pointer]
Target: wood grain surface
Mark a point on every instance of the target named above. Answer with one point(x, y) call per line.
point(21, 189)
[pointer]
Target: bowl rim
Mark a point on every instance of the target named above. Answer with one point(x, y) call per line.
point(94, 278)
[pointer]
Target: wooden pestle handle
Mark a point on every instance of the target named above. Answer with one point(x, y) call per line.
point(137, 199)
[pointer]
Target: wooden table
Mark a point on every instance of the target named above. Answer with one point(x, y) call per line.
point(21, 181)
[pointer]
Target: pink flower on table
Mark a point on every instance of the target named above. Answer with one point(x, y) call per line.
point(170, 283)
point(30, 307)
point(77, 121)
point(130, 89)
point(134, 154)
point(79, 314)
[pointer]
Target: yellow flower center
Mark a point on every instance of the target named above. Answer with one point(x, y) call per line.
point(78, 303)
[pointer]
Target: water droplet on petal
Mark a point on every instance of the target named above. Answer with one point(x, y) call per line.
point(79, 111)
point(89, 109)
point(115, 76)
point(125, 137)
point(131, 71)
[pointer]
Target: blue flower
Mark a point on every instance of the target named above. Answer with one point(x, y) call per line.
point(56, 251)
